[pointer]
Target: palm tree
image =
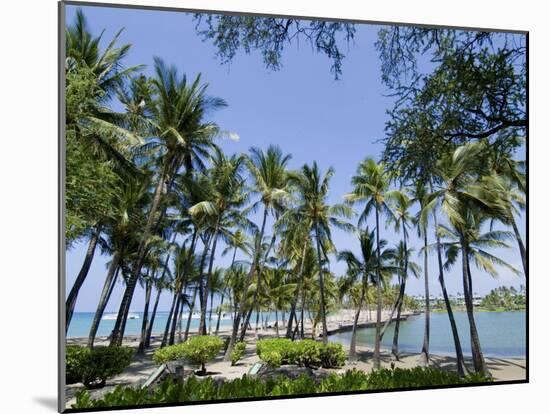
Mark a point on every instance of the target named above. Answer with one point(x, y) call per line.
point(370, 185)
point(278, 290)
point(216, 288)
point(182, 137)
point(161, 283)
point(472, 245)
point(122, 235)
point(362, 270)
point(270, 178)
point(237, 241)
point(82, 49)
point(225, 198)
point(405, 267)
point(312, 191)
point(461, 196)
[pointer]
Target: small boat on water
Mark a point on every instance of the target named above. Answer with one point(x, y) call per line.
point(113, 316)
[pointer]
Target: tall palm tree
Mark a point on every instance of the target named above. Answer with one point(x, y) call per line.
point(278, 290)
point(405, 267)
point(83, 49)
point(461, 196)
point(181, 137)
point(311, 188)
point(161, 283)
point(238, 240)
point(225, 199)
point(122, 235)
point(370, 185)
point(270, 179)
point(472, 244)
point(363, 270)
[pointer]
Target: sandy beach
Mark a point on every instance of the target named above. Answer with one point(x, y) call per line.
point(142, 366)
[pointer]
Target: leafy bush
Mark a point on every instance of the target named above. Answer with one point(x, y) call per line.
point(198, 350)
point(194, 389)
point(333, 356)
point(284, 347)
point(272, 358)
point(74, 360)
point(168, 353)
point(93, 366)
point(306, 352)
point(238, 352)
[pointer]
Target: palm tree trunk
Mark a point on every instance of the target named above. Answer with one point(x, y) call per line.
point(153, 315)
point(204, 303)
point(145, 321)
point(249, 278)
point(190, 316)
point(183, 281)
point(477, 354)
point(460, 366)
point(110, 279)
point(210, 314)
point(321, 285)
point(152, 222)
point(258, 287)
point(223, 293)
point(521, 246)
point(376, 357)
point(390, 318)
point(352, 347)
point(302, 335)
point(167, 328)
point(81, 277)
point(425, 353)
point(296, 293)
point(180, 314)
point(219, 314)
point(174, 321)
point(395, 346)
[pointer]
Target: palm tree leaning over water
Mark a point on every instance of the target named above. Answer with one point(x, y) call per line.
point(370, 185)
point(270, 179)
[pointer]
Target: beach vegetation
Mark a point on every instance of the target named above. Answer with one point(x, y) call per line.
point(93, 366)
point(207, 389)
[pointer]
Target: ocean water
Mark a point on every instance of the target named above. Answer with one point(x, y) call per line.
point(502, 334)
point(82, 321)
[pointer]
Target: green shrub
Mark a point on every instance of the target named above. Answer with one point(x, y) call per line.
point(168, 353)
point(272, 358)
point(93, 366)
point(198, 350)
point(74, 360)
point(194, 389)
point(306, 352)
point(238, 352)
point(284, 347)
point(333, 356)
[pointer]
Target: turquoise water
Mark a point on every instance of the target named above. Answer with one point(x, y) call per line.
point(502, 334)
point(82, 321)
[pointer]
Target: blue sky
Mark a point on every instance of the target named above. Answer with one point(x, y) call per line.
point(301, 108)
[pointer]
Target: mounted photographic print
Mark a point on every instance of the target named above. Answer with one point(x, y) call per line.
point(259, 207)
